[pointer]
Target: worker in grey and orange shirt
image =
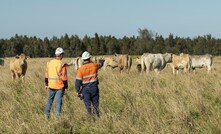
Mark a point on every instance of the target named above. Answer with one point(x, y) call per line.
point(86, 83)
point(56, 82)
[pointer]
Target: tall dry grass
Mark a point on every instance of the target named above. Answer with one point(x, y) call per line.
point(129, 103)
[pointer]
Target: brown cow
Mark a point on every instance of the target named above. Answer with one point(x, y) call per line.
point(18, 66)
point(122, 61)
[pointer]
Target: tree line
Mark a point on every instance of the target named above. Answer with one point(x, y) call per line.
point(74, 46)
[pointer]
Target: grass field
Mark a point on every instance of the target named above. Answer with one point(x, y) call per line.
point(129, 103)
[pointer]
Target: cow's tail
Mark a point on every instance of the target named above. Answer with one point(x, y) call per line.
point(125, 63)
point(77, 63)
point(190, 64)
point(211, 63)
point(142, 63)
point(129, 62)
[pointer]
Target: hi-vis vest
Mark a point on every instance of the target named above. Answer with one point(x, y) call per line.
point(87, 75)
point(56, 73)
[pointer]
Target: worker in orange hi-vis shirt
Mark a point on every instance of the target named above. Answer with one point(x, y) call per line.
point(56, 82)
point(87, 82)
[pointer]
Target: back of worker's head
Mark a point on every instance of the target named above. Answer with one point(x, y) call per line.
point(59, 51)
point(86, 55)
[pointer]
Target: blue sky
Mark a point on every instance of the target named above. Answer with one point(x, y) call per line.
point(48, 18)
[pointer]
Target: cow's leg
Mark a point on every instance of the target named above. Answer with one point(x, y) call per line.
point(13, 75)
point(157, 71)
point(185, 69)
point(194, 70)
point(22, 77)
point(177, 71)
point(147, 69)
point(173, 68)
point(208, 69)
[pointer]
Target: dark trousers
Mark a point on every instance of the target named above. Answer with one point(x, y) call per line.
point(91, 95)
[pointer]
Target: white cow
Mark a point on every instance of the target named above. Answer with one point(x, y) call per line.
point(156, 62)
point(202, 61)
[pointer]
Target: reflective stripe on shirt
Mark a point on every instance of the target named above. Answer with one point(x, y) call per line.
point(90, 81)
point(87, 76)
point(54, 79)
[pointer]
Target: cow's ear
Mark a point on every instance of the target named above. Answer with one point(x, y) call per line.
point(115, 54)
point(17, 56)
point(27, 57)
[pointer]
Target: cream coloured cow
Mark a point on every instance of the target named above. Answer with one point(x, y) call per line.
point(202, 61)
point(156, 62)
point(18, 66)
point(122, 61)
point(179, 62)
point(77, 62)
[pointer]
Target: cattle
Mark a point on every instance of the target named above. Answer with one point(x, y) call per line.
point(2, 62)
point(179, 62)
point(18, 66)
point(122, 61)
point(201, 61)
point(156, 62)
point(77, 62)
point(109, 62)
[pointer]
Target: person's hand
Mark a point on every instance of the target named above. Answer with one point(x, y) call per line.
point(65, 91)
point(78, 94)
point(46, 88)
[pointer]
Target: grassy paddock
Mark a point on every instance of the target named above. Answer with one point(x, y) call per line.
point(129, 103)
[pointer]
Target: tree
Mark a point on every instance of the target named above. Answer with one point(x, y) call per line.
point(145, 33)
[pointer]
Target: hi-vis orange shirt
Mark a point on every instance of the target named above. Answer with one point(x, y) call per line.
point(87, 75)
point(56, 74)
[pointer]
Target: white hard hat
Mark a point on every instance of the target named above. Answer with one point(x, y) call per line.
point(86, 55)
point(59, 51)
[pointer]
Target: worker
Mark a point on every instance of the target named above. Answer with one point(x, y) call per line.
point(56, 82)
point(86, 83)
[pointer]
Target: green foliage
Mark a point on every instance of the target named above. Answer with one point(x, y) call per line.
point(107, 45)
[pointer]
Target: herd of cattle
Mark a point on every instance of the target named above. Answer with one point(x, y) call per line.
point(157, 62)
point(146, 63)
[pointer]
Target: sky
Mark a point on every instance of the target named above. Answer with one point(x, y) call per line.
point(119, 18)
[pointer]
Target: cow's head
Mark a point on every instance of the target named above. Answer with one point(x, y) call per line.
point(22, 58)
point(168, 57)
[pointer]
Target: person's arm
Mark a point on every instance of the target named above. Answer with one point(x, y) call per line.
point(101, 62)
point(64, 77)
point(78, 81)
point(46, 78)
